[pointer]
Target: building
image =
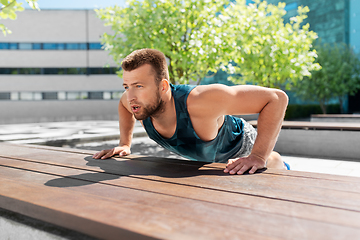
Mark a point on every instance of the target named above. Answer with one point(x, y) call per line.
point(334, 21)
point(52, 68)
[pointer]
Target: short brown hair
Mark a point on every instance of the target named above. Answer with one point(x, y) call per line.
point(147, 56)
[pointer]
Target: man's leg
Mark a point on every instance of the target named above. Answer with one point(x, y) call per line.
point(274, 161)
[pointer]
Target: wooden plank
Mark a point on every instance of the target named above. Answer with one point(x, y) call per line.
point(139, 209)
point(146, 213)
point(345, 126)
point(290, 189)
point(322, 176)
point(336, 115)
point(305, 211)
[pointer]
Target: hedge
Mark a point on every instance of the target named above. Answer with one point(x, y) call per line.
point(296, 111)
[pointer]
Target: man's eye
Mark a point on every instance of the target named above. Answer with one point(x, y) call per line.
point(138, 86)
point(126, 88)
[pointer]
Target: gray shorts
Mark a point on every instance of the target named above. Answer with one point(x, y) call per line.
point(248, 140)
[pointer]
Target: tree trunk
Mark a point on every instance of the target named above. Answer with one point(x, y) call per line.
point(341, 105)
point(323, 106)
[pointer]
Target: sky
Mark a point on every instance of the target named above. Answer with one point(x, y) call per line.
point(75, 4)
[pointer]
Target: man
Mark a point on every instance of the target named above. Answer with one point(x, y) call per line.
point(197, 122)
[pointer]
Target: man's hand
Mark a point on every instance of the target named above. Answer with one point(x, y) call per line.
point(122, 151)
point(241, 165)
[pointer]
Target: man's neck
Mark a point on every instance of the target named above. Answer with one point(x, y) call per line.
point(165, 121)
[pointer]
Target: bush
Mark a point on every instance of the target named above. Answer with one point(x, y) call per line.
point(296, 111)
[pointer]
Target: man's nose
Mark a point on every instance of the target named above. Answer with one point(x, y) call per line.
point(130, 96)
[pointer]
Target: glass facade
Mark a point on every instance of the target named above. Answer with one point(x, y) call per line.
point(57, 71)
point(50, 46)
point(70, 95)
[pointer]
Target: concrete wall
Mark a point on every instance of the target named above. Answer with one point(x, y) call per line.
point(56, 26)
point(319, 143)
point(56, 110)
point(60, 83)
point(55, 59)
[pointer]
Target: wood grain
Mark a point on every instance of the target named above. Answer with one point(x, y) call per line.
point(141, 197)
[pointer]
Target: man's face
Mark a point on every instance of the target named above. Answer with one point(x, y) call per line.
point(143, 93)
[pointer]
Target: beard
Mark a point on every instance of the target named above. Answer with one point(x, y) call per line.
point(150, 110)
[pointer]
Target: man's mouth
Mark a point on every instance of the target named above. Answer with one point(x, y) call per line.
point(135, 108)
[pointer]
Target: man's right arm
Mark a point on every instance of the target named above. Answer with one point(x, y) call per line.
point(126, 125)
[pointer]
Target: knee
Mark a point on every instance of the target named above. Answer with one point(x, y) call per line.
point(275, 161)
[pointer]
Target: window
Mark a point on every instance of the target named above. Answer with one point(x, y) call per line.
point(57, 71)
point(95, 46)
point(36, 46)
point(13, 46)
point(72, 46)
point(4, 45)
point(50, 95)
point(25, 46)
point(78, 96)
point(49, 46)
point(83, 46)
point(291, 6)
point(14, 96)
point(62, 95)
point(95, 95)
point(29, 70)
point(26, 96)
point(37, 96)
point(107, 95)
point(76, 71)
point(73, 95)
point(5, 95)
point(116, 95)
point(50, 70)
point(5, 71)
point(84, 95)
point(60, 46)
point(14, 71)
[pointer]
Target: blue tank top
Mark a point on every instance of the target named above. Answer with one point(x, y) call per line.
point(185, 141)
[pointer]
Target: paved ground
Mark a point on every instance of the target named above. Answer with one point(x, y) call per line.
point(98, 135)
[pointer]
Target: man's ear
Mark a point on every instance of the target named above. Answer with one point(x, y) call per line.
point(164, 85)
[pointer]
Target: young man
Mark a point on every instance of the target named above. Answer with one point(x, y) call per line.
point(197, 122)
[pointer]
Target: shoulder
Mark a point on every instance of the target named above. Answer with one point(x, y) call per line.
point(206, 93)
point(206, 99)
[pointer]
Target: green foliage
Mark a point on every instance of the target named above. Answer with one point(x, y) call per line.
point(269, 52)
point(202, 36)
point(296, 111)
point(8, 9)
point(339, 76)
point(187, 32)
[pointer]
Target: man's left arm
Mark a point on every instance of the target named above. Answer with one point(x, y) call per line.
point(268, 127)
point(218, 100)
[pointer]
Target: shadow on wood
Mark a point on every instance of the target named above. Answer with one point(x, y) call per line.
point(139, 166)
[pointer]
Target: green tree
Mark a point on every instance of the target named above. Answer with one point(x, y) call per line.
point(8, 9)
point(269, 52)
point(199, 37)
point(189, 33)
point(338, 77)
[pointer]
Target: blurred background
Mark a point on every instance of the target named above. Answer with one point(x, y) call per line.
point(53, 65)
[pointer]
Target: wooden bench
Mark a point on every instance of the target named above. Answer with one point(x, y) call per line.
point(319, 139)
point(138, 197)
point(352, 118)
